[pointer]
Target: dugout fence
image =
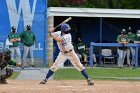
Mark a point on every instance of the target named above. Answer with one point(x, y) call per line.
point(93, 45)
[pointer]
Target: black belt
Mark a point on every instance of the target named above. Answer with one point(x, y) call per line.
point(66, 51)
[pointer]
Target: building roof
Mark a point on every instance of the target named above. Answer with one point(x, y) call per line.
point(93, 12)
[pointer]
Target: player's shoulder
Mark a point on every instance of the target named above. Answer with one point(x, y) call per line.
point(133, 34)
point(58, 33)
point(126, 36)
point(10, 33)
point(67, 35)
point(23, 32)
point(119, 36)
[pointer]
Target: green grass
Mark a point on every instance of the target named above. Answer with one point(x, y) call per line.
point(99, 74)
point(14, 75)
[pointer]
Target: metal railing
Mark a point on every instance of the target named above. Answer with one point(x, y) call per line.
point(92, 45)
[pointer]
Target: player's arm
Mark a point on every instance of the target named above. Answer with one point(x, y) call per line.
point(58, 39)
point(55, 37)
point(121, 42)
point(11, 62)
point(11, 39)
point(18, 39)
point(124, 42)
point(51, 30)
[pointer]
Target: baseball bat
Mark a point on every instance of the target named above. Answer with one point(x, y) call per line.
point(65, 21)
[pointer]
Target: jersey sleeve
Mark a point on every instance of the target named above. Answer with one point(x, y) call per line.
point(9, 36)
point(118, 39)
point(58, 33)
point(127, 39)
point(11, 62)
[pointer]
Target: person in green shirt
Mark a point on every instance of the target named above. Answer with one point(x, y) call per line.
point(81, 47)
point(28, 39)
point(5, 59)
point(122, 39)
point(14, 48)
point(131, 50)
point(84, 51)
point(137, 39)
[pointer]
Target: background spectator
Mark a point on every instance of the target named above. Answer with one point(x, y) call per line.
point(15, 39)
point(122, 39)
point(84, 51)
point(28, 39)
point(130, 50)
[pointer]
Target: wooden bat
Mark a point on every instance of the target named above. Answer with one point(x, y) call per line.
point(65, 21)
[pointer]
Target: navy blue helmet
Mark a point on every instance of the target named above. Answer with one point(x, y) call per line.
point(65, 27)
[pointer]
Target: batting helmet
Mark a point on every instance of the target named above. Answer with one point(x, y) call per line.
point(65, 27)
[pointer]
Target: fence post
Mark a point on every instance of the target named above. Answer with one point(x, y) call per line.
point(91, 55)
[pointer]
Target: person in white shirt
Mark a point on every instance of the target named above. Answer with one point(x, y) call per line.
point(64, 42)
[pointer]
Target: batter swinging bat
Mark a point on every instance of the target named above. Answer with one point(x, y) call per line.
point(65, 21)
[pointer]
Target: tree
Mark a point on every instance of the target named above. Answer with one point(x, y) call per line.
point(117, 4)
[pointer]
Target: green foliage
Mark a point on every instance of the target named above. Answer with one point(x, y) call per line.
point(99, 73)
point(54, 3)
point(117, 4)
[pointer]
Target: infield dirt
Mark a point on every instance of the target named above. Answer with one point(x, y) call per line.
point(69, 86)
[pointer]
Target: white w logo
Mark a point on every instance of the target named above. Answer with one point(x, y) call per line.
point(24, 6)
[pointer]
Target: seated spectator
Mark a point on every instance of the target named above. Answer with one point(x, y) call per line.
point(94, 56)
point(84, 51)
point(76, 51)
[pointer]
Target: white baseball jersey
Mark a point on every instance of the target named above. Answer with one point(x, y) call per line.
point(71, 55)
point(67, 44)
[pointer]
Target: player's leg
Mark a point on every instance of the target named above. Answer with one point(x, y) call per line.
point(128, 57)
point(18, 55)
point(26, 50)
point(120, 59)
point(124, 55)
point(95, 60)
point(32, 55)
point(133, 55)
point(58, 62)
point(5, 73)
point(77, 64)
point(2, 73)
point(12, 53)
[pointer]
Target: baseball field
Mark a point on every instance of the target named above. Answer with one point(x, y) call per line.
point(107, 80)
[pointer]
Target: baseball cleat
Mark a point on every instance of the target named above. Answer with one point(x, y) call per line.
point(43, 81)
point(90, 82)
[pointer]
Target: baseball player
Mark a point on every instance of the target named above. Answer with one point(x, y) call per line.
point(137, 38)
point(122, 39)
point(131, 50)
point(28, 39)
point(5, 59)
point(64, 42)
point(15, 39)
